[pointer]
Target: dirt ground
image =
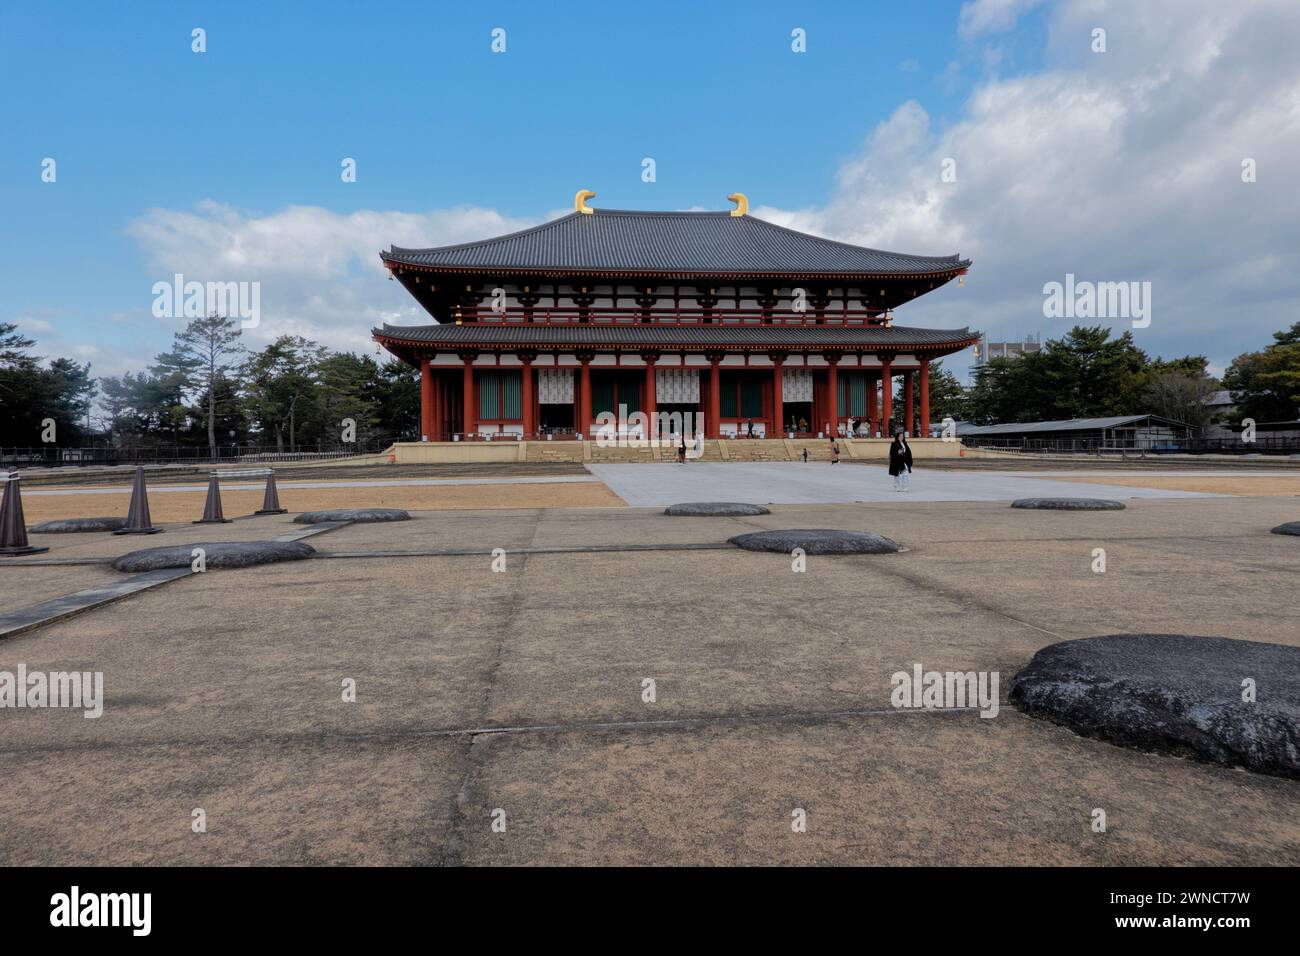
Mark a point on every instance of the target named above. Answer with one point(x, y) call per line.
point(303, 471)
point(1252, 485)
point(169, 506)
point(519, 694)
point(175, 506)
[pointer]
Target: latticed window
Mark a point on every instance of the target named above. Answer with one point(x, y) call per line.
point(500, 395)
point(611, 389)
point(739, 396)
point(852, 387)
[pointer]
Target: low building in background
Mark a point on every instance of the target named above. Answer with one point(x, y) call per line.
point(1118, 432)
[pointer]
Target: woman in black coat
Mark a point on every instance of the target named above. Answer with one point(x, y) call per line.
point(900, 462)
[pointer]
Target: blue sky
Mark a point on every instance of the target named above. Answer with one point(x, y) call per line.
point(166, 156)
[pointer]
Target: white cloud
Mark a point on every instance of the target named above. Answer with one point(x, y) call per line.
point(32, 327)
point(56, 336)
point(978, 17)
point(1116, 167)
point(319, 270)
point(1123, 166)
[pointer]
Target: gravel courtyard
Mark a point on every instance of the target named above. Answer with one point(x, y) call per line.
point(519, 697)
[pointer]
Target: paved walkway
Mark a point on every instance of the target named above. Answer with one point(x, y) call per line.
point(648, 486)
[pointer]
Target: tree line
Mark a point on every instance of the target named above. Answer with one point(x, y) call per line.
point(1089, 373)
point(208, 390)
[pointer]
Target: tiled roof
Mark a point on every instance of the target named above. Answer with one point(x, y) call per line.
point(1063, 425)
point(678, 243)
point(599, 335)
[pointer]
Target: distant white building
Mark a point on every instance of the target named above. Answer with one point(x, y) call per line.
point(986, 350)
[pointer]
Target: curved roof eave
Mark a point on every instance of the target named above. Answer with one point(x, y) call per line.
point(677, 244)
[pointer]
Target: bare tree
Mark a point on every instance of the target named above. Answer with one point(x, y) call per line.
point(1182, 396)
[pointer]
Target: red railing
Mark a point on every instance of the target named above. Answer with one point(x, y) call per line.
point(621, 315)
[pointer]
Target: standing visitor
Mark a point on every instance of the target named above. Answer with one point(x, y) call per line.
point(835, 452)
point(681, 450)
point(900, 462)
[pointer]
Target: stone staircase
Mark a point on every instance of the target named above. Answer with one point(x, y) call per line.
point(744, 449)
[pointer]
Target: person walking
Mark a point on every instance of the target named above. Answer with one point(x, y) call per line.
point(900, 462)
point(835, 452)
point(681, 450)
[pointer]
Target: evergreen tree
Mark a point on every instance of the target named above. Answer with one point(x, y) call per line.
point(1085, 374)
point(398, 401)
point(1266, 385)
point(283, 390)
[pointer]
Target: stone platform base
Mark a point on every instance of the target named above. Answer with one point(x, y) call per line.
point(739, 449)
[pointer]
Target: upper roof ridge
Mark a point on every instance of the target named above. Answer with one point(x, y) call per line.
point(672, 241)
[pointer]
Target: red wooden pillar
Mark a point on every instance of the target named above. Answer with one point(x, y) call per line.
point(833, 387)
point(436, 389)
point(577, 396)
point(886, 397)
point(648, 406)
point(924, 385)
point(426, 401)
point(778, 406)
point(470, 425)
point(713, 424)
point(873, 407)
point(909, 400)
point(527, 397)
point(584, 403)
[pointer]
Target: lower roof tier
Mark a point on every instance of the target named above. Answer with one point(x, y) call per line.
point(421, 339)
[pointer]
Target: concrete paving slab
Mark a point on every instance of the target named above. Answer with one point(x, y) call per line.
point(655, 485)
